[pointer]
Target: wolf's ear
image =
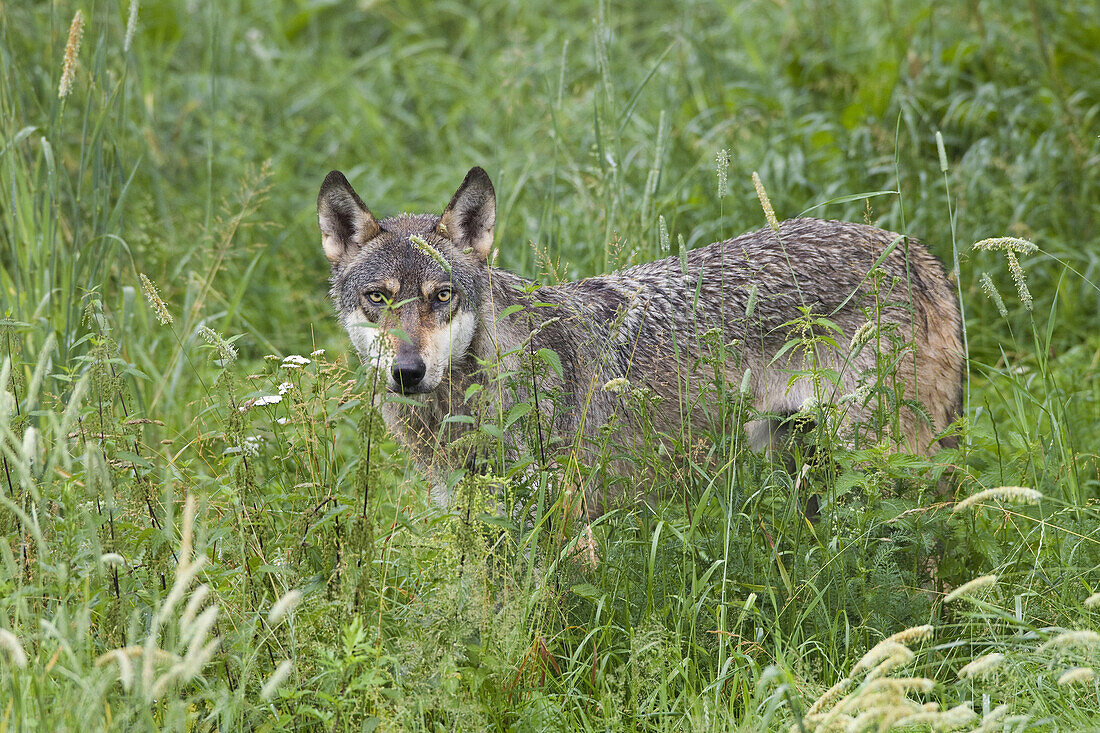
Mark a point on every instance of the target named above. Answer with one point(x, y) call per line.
point(346, 222)
point(469, 219)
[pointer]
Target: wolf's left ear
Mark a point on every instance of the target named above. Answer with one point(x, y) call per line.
point(346, 222)
point(469, 219)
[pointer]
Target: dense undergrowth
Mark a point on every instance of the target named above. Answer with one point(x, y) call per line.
point(204, 526)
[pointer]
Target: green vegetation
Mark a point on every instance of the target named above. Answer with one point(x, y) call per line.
point(168, 538)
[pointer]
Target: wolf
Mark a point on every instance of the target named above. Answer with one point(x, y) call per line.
point(421, 302)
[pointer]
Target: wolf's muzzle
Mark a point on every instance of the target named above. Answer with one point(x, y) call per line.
point(407, 372)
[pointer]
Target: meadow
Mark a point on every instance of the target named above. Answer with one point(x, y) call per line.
point(204, 525)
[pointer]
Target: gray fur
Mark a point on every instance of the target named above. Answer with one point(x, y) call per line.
point(645, 323)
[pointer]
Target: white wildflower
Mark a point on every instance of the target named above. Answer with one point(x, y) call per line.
point(294, 361)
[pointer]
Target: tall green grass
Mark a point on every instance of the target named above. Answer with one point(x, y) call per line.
point(181, 550)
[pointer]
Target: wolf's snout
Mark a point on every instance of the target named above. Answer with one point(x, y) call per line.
point(408, 371)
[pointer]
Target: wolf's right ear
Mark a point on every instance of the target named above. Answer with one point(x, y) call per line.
point(469, 219)
point(346, 222)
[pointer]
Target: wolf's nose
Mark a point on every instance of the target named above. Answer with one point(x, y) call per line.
point(408, 372)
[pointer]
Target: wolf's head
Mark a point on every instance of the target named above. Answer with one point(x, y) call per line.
point(409, 288)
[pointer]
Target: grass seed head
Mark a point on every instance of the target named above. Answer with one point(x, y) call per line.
point(1019, 278)
point(991, 291)
point(971, 587)
point(982, 666)
point(277, 678)
point(1083, 639)
point(419, 243)
point(1004, 494)
point(1076, 676)
point(286, 603)
point(1007, 244)
point(913, 635)
point(131, 26)
point(9, 642)
point(721, 167)
point(765, 202)
point(72, 50)
point(160, 308)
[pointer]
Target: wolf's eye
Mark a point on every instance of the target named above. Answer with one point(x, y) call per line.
point(443, 295)
point(376, 297)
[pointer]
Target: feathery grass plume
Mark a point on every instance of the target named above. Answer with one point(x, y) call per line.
point(194, 603)
point(187, 529)
point(1093, 601)
point(1006, 494)
point(160, 308)
point(969, 588)
point(765, 202)
point(900, 656)
point(982, 666)
point(829, 696)
point(226, 352)
point(961, 715)
point(125, 666)
point(277, 677)
point(29, 449)
point(993, 294)
point(131, 26)
point(1019, 278)
point(9, 642)
point(72, 50)
point(200, 628)
point(1085, 638)
point(112, 558)
point(287, 603)
point(721, 166)
point(184, 576)
point(418, 242)
point(899, 685)
point(993, 720)
point(885, 649)
point(199, 650)
point(1007, 244)
point(1077, 675)
point(913, 635)
point(941, 151)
